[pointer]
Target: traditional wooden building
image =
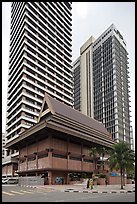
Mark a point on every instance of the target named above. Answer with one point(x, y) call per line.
point(59, 143)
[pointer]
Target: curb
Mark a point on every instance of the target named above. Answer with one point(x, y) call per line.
point(29, 186)
point(104, 192)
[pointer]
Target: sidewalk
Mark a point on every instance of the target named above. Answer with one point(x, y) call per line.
point(128, 188)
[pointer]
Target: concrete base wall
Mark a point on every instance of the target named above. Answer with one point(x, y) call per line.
point(31, 180)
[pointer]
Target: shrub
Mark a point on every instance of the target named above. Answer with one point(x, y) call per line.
point(102, 176)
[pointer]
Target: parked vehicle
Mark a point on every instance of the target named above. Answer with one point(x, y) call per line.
point(4, 181)
point(10, 180)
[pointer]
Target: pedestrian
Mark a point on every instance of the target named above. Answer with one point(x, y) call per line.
point(91, 183)
point(62, 180)
point(106, 181)
point(87, 183)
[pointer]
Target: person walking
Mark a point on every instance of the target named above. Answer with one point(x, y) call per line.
point(87, 183)
point(91, 183)
point(106, 181)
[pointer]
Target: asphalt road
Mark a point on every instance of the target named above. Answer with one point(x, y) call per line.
point(13, 193)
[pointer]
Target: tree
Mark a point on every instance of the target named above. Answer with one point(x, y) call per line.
point(121, 158)
point(102, 152)
point(93, 153)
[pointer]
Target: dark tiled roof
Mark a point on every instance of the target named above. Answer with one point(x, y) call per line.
point(68, 112)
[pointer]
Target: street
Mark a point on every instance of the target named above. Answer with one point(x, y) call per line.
point(15, 193)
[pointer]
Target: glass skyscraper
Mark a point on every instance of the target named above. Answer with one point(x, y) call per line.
point(110, 82)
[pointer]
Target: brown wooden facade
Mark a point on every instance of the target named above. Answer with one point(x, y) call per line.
point(59, 143)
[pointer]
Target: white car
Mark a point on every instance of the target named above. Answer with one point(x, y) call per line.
point(10, 181)
point(4, 181)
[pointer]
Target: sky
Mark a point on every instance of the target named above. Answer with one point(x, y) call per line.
point(88, 19)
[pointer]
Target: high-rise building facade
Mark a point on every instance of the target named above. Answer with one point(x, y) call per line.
point(109, 64)
point(83, 80)
point(111, 83)
point(4, 150)
point(39, 61)
point(77, 84)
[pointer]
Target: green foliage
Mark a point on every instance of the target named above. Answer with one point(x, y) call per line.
point(84, 175)
point(93, 152)
point(102, 151)
point(121, 158)
point(102, 176)
point(96, 175)
point(129, 176)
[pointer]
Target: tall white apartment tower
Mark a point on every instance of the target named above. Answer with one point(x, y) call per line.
point(39, 61)
point(4, 150)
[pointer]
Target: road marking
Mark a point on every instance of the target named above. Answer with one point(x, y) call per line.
point(41, 192)
point(4, 192)
point(26, 191)
point(17, 192)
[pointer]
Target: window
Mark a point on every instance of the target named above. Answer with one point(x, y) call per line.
point(59, 155)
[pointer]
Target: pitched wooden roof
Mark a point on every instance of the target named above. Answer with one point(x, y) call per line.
point(60, 117)
point(59, 108)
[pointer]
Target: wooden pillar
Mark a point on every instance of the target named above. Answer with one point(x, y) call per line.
point(6, 169)
point(26, 162)
point(19, 164)
point(36, 155)
point(12, 172)
point(50, 177)
point(67, 178)
point(50, 150)
point(50, 157)
point(68, 153)
point(81, 156)
point(27, 158)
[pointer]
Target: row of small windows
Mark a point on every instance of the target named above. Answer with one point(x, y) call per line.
point(15, 96)
point(97, 43)
point(96, 55)
point(43, 65)
point(107, 47)
point(98, 102)
point(13, 127)
point(60, 14)
point(106, 34)
point(15, 12)
point(31, 101)
point(107, 62)
point(107, 42)
point(102, 38)
point(110, 123)
point(51, 39)
point(13, 59)
point(29, 116)
point(107, 51)
point(109, 116)
point(98, 113)
point(14, 112)
point(51, 33)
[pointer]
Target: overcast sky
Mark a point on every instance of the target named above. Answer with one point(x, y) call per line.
point(88, 18)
